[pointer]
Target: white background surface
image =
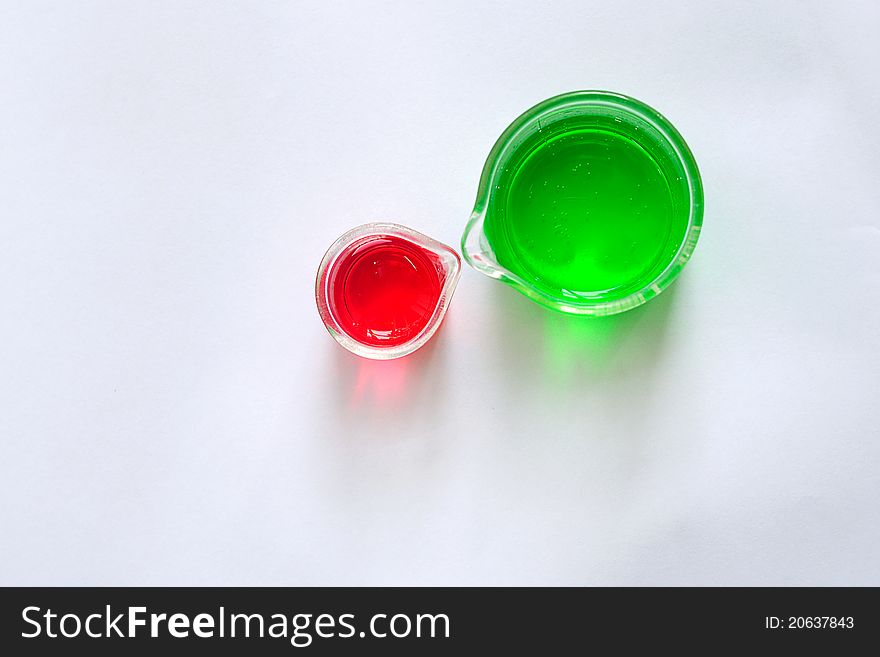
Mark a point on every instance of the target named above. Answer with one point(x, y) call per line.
point(172, 411)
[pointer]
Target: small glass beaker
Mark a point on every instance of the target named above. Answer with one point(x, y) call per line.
point(383, 289)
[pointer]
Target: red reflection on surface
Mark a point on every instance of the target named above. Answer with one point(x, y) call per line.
point(384, 290)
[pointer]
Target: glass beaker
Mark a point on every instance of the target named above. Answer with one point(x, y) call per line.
point(382, 289)
point(589, 203)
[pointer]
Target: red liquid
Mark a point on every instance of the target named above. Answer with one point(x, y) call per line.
point(384, 290)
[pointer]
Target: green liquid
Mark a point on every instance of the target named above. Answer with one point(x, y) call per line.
point(586, 213)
